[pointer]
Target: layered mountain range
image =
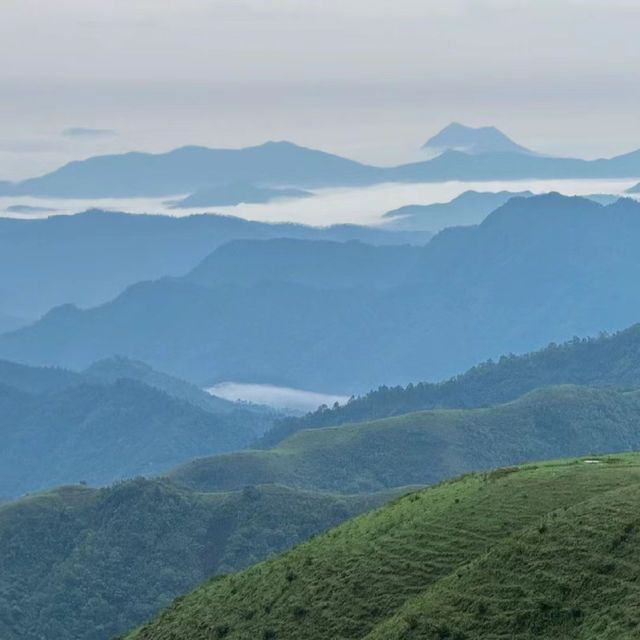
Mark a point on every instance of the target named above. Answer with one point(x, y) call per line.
point(308, 314)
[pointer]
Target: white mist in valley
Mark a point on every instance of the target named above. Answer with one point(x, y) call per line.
point(353, 205)
point(274, 396)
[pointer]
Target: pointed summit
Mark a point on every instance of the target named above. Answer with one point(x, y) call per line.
point(472, 140)
point(635, 189)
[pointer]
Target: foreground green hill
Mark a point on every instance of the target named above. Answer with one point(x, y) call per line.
point(85, 564)
point(429, 446)
point(541, 551)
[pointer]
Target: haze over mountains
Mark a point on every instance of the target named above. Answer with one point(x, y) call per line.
point(143, 312)
point(272, 367)
point(89, 258)
point(470, 207)
point(537, 270)
point(236, 193)
point(488, 155)
point(222, 513)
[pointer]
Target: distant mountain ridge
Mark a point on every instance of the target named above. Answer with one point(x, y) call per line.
point(40, 259)
point(470, 207)
point(189, 169)
point(284, 164)
point(472, 140)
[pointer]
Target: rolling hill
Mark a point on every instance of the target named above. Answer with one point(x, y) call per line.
point(606, 360)
point(102, 433)
point(430, 446)
point(537, 270)
point(85, 564)
point(542, 551)
point(115, 420)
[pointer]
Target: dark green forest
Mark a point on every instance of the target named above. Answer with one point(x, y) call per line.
point(604, 360)
point(86, 564)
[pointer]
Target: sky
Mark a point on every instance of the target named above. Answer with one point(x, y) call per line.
point(369, 79)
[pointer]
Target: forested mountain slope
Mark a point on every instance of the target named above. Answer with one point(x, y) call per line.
point(605, 360)
point(429, 446)
point(101, 433)
point(85, 564)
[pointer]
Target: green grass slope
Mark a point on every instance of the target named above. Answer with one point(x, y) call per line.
point(84, 564)
point(606, 360)
point(573, 575)
point(429, 446)
point(541, 551)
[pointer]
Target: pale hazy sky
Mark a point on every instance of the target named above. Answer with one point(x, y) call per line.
point(371, 79)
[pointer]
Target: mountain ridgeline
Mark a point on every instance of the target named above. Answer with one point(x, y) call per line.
point(40, 259)
point(425, 447)
point(537, 270)
point(469, 208)
point(467, 154)
point(607, 360)
point(119, 419)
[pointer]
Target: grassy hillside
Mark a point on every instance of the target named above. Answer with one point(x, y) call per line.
point(541, 551)
point(605, 360)
point(426, 447)
point(85, 564)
